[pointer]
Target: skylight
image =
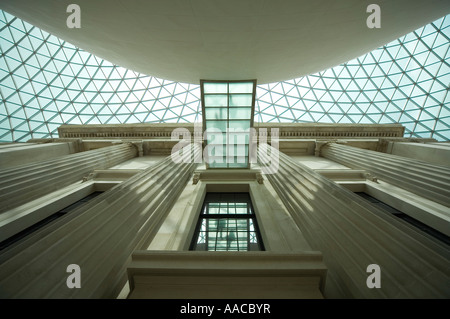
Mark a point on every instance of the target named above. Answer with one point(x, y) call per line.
point(228, 108)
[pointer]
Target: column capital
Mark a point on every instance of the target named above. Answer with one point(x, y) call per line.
point(195, 178)
point(322, 143)
point(139, 146)
point(259, 178)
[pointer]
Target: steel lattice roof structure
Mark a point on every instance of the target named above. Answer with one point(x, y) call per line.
point(45, 82)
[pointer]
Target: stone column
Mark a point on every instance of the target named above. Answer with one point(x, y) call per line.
point(352, 235)
point(24, 183)
point(99, 237)
point(15, 154)
point(422, 178)
point(431, 152)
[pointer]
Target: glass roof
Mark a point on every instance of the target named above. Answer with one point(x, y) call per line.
point(46, 82)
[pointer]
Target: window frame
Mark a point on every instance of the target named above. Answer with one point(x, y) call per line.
point(249, 216)
point(225, 147)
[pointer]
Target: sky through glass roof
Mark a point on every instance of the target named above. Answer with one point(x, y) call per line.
point(46, 82)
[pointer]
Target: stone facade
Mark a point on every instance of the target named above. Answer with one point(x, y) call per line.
point(132, 240)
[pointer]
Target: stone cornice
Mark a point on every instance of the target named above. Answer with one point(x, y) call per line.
point(286, 130)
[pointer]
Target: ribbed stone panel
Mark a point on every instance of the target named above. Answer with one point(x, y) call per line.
point(99, 237)
point(428, 180)
point(353, 235)
point(24, 183)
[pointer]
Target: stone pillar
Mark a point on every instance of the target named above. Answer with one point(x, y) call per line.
point(99, 237)
point(15, 154)
point(24, 183)
point(434, 153)
point(422, 178)
point(352, 235)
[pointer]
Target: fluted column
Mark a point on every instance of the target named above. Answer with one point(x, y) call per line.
point(24, 183)
point(428, 180)
point(99, 237)
point(352, 235)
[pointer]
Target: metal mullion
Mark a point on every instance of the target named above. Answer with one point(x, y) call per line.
point(106, 104)
point(6, 24)
point(198, 229)
point(44, 40)
point(183, 103)
point(227, 216)
point(170, 100)
point(8, 115)
point(248, 227)
point(38, 102)
point(317, 100)
point(15, 44)
point(248, 234)
point(27, 120)
point(215, 243)
point(106, 81)
point(437, 119)
point(206, 230)
point(237, 235)
point(12, 130)
point(228, 124)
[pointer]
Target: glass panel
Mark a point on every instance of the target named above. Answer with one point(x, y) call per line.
point(218, 165)
point(238, 165)
point(215, 151)
point(224, 208)
point(216, 113)
point(226, 234)
point(237, 150)
point(225, 230)
point(242, 208)
point(216, 100)
point(241, 87)
point(240, 125)
point(240, 113)
point(212, 208)
point(235, 136)
point(215, 138)
point(240, 99)
point(216, 127)
point(215, 87)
